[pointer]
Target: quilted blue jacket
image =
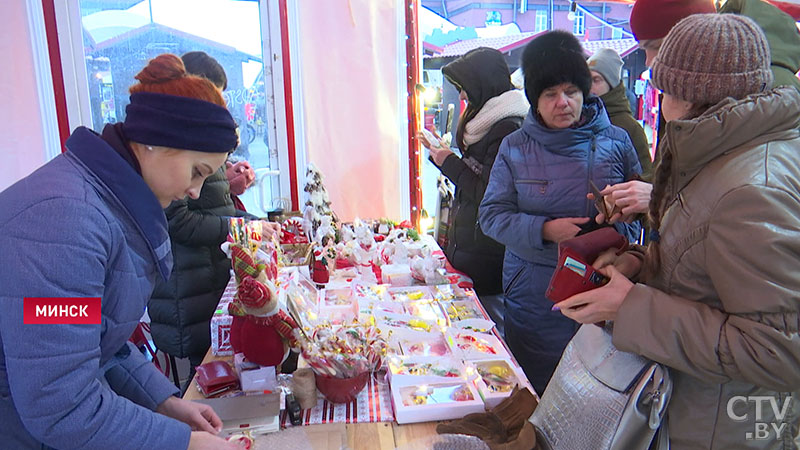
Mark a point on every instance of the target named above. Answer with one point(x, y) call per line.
point(542, 174)
point(83, 225)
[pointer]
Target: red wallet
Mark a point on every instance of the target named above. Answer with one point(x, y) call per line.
point(574, 273)
point(215, 377)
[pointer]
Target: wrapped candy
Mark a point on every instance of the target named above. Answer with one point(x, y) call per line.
point(436, 394)
point(342, 351)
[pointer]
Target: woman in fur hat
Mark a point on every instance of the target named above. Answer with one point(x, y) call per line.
point(537, 193)
point(720, 305)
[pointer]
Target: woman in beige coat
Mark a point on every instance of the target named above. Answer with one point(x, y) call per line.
point(722, 274)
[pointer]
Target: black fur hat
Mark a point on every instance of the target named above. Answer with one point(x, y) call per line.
point(551, 59)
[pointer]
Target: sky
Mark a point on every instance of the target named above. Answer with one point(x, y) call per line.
point(230, 22)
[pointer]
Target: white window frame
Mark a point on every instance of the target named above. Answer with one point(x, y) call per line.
point(44, 79)
point(579, 27)
point(541, 20)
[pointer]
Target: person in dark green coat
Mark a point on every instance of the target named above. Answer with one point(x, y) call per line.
point(606, 67)
point(782, 35)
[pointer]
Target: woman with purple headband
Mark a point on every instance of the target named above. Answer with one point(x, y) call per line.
point(85, 386)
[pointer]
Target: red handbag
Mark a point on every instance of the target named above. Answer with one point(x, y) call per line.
point(215, 377)
point(574, 273)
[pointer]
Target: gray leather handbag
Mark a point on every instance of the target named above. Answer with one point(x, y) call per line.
point(601, 398)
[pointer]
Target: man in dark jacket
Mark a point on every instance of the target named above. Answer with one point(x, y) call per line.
point(606, 68)
point(181, 308)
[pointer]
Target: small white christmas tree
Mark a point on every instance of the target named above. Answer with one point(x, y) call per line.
point(317, 205)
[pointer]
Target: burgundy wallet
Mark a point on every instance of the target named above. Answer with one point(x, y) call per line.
point(574, 273)
point(215, 377)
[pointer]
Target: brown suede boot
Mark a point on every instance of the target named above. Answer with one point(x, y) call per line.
point(515, 410)
point(525, 440)
point(485, 426)
point(504, 427)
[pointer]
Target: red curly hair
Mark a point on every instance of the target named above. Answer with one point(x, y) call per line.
point(166, 74)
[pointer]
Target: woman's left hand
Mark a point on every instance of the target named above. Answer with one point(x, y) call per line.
point(439, 154)
point(598, 304)
point(197, 415)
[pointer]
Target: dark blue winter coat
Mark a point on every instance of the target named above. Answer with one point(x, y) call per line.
point(542, 174)
point(83, 225)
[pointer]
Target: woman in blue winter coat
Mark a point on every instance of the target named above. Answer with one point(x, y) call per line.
point(536, 195)
point(85, 386)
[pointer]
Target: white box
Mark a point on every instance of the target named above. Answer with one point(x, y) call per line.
point(337, 306)
point(472, 345)
point(397, 274)
point(439, 403)
point(512, 374)
point(261, 379)
point(221, 335)
point(416, 370)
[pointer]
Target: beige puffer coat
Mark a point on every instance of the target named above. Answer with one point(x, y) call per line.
point(723, 311)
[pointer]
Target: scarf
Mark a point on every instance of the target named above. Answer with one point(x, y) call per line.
point(508, 104)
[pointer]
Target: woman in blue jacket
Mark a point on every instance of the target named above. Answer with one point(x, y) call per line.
point(85, 386)
point(536, 195)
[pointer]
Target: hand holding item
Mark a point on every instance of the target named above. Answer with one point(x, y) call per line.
point(197, 415)
point(438, 148)
point(270, 229)
point(200, 440)
point(557, 230)
point(439, 154)
point(598, 305)
point(240, 176)
point(627, 201)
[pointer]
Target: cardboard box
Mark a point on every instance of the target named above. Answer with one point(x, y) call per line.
point(495, 379)
point(435, 401)
point(472, 345)
point(256, 413)
point(416, 370)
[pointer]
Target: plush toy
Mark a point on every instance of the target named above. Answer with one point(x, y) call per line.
point(265, 331)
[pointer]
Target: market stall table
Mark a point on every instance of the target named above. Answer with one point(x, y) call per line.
point(367, 436)
point(444, 358)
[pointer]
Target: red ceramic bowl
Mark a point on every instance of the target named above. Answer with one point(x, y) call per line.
point(341, 390)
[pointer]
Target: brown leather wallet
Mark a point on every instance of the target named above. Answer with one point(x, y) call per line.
point(574, 273)
point(215, 377)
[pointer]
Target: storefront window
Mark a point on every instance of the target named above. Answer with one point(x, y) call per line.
point(119, 37)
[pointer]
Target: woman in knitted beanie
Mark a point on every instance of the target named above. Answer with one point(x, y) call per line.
point(536, 195)
point(83, 385)
point(720, 303)
point(494, 109)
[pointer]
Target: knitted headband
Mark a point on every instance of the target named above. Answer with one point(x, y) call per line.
point(179, 122)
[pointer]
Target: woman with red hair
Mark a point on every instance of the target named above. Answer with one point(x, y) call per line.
point(85, 386)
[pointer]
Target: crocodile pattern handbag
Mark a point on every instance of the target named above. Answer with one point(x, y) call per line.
point(602, 398)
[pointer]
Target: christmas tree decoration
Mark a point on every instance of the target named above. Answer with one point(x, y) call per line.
point(318, 205)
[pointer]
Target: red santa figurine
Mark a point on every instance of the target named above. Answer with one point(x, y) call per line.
point(265, 334)
point(319, 266)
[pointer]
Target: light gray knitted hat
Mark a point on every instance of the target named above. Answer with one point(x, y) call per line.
point(706, 58)
point(607, 63)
